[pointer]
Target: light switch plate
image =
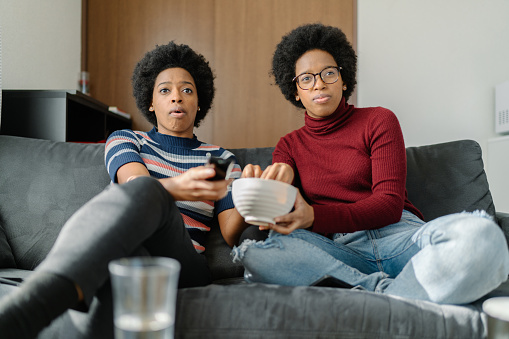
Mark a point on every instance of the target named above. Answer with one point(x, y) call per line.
point(502, 108)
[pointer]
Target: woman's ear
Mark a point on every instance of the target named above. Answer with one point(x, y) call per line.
point(297, 97)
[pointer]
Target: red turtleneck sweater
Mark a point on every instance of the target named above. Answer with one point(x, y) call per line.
point(351, 167)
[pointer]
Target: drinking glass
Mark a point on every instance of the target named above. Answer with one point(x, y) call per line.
point(144, 297)
point(497, 309)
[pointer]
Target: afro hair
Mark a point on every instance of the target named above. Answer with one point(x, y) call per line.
point(306, 38)
point(172, 56)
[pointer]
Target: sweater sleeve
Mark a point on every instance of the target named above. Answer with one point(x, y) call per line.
point(283, 153)
point(385, 204)
point(122, 147)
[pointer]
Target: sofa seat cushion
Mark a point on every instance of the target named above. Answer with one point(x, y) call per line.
point(219, 259)
point(270, 311)
point(263, 311)
point(223, 269)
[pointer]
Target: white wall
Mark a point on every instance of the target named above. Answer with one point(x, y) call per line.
point(41, 43)
point(435, 63)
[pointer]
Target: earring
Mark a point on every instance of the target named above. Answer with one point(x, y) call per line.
point(151, 108)
point(344, 88)
point(198, 108)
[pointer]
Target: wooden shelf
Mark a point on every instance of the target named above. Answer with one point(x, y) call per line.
point(58, 115)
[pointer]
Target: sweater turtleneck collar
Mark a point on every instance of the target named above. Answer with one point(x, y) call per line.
point(331, 123)
point(166, 139)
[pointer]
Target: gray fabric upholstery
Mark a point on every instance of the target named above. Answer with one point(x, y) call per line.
point(43, 182)
point(277, 312)
point(448, 178)
point(503, 221)
point(442, 178)
point(220, 262)
point(258, 156)
point(6, 257)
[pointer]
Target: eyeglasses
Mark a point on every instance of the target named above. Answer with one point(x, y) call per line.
point(329, 75)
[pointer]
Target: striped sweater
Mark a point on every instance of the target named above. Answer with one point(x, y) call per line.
point(168, 156)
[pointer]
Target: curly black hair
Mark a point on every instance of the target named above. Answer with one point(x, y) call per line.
point(306, 38)
point(170, 56)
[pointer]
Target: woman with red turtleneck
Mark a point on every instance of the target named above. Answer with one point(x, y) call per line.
point(352, 219)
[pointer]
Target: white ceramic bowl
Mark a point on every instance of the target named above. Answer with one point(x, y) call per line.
point(259, 201)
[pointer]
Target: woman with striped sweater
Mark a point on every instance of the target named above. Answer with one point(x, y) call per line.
point(161, 201)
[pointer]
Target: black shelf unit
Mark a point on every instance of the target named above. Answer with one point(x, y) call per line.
point(58, 115)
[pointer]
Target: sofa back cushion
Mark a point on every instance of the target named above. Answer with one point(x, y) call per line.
point(442, 178)
point(6, 256)
point(42, 183)
point(257, 156)
point(448, 178)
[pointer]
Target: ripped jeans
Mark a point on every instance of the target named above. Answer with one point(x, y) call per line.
point(454, 259)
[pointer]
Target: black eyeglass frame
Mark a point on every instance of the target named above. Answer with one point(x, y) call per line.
point(296, 78)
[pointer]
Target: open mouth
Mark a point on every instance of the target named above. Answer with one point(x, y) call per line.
point(177, 112)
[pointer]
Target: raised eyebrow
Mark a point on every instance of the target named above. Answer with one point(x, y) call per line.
point(181, 83)
point(187, 83)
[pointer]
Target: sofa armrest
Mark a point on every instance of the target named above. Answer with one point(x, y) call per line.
point(503, 221)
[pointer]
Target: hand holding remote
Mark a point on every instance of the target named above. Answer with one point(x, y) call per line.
point(222, 167)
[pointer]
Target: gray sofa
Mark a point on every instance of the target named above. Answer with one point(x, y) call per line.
point(43, 182)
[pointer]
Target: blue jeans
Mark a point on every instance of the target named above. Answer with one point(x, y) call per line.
point(453, 259)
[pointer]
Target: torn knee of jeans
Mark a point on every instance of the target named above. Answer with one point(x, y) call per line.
point(238, 252)
point(480, 213)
